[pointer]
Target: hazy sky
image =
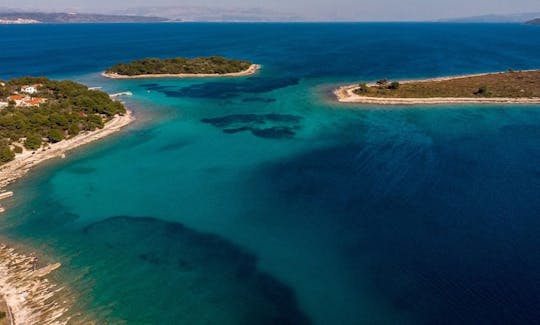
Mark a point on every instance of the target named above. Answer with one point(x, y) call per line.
point(338, 9)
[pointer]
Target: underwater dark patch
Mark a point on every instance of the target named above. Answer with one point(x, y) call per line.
point(226, 121)
point(155, 87)
point(236, 130)
point(143, 136)
point(271, 126)
point(278, 132)
point(149, 258)
point(184, 265)
point(283, 118)
point(190, 275)
point(258, 100)
point(174, 145)
point(224, 89)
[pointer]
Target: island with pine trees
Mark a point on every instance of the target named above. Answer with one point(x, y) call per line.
point(180, 67)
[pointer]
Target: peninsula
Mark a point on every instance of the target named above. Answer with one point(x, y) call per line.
point(213, 66)
point(512, 87)
point(41, 119)
point(73, 18)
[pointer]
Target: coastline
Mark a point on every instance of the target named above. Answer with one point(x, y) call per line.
point(22, 163)
point(345, 94)
point(254, 68)
point(27, 294)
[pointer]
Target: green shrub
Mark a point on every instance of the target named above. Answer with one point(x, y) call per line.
point(33, 142)
point(482, 91)
point(394, 85)
point(382, 82)
point(17, 149)
point(6, 154)
point(55, 135)
point(74, 129)
point(362, 88)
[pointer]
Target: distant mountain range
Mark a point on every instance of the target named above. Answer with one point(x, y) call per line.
point(534, 22)
point(150, 14)
point(511, 18)
point(40, 17)
point(206, 14)
point(212, 14)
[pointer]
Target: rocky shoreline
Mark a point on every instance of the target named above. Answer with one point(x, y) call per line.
point(28, 295)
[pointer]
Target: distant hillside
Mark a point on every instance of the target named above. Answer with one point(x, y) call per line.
point(212, 14)
point(39, 17)
point(511, 18)
point(534, 22)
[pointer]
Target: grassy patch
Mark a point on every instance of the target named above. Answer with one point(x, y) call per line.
point(506, 84)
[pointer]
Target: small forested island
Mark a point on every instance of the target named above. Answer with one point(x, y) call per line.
point(42, 119)
point(505, 87)
point(213, 66)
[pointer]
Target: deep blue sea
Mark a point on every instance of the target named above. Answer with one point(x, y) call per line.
point(260, 200)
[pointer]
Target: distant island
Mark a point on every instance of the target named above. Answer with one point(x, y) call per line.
point(72, 18)
point(505, 87)
point(517, 18)
point(213, 66)
point(42, 119)
point(534, 22)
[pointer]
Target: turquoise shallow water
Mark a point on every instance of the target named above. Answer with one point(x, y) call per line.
point(259, 200)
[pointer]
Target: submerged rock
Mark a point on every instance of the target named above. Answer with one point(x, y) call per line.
point(274, 126)
point(186, 277)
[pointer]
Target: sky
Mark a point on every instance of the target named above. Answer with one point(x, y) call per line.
point(357, 10)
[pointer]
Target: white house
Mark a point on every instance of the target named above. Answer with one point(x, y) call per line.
point(29, 89)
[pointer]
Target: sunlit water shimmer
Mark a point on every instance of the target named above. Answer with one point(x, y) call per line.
point(261, 201)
